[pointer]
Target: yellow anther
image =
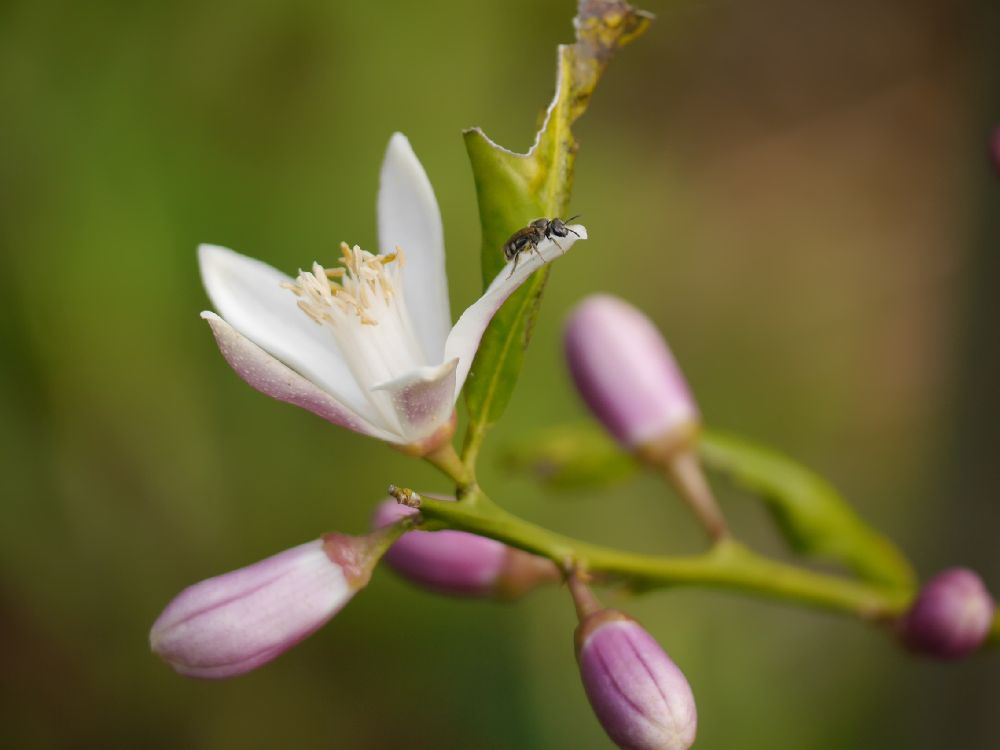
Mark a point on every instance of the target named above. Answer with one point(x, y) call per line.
point(308, 310)
point(361, 286)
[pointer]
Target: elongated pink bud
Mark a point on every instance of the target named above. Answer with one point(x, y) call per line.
point(951, 617)
point(625, 372)
point(459, 563)
point(639, 695)
point(235, 622)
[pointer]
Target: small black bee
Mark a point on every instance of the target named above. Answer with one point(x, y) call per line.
point(530, 237)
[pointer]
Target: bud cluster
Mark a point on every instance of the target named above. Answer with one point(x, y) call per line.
point(369, 343)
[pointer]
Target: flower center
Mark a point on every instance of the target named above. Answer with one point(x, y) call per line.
point(363, 285)
point(362, 303)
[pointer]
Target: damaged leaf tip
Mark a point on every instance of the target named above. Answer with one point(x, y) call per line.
point(602, 26)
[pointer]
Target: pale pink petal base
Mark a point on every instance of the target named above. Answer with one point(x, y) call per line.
point(275, 379)
point(423, 399)
point(248, 294)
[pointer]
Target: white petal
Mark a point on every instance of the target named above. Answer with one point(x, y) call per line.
point(465, 336)
point(408, 216)
point(248, 295)
point(423, 399)
point(277, 380)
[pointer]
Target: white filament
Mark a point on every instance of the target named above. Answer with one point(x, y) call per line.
point(363, 305)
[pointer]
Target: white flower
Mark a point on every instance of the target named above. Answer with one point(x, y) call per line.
point(368, 345)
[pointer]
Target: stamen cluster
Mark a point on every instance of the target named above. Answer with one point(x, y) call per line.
point(362, 280)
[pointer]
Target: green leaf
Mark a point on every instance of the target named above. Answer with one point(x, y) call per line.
point(513, 189)
point(572, 457)
point(812, 515)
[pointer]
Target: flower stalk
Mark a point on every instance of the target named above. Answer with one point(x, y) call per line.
point(447, 461)
point(728, 565)
point(684, 471)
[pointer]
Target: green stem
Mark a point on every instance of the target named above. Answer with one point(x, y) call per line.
point(727, 565)
point(683, 470)
point(583, 598)
point(446, 460)
point(473, 442)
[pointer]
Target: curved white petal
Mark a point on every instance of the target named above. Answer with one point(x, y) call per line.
point(423, 399)
point(248, 295)
point(408, 216)
point(275, 379)
point(465, 336)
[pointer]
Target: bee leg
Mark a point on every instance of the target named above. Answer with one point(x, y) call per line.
point(514, 267)
point(557, 244)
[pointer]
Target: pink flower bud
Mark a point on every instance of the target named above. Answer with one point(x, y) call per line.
point(459, 563)
point(641, 698)
point(235, 622)
point(626, 373)
point(951, 617)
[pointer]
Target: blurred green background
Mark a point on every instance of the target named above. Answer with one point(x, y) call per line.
point(796, 191)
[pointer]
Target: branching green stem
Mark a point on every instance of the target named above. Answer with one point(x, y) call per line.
point(728, 564)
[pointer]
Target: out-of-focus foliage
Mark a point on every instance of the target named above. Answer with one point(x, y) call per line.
point(575, 456)
point(791, 190)
point(813, 517)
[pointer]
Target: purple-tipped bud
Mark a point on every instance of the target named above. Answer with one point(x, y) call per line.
point(235, 622)
point(951, 616)
point(459, 563)
point(627, 375)
point(641, 698)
